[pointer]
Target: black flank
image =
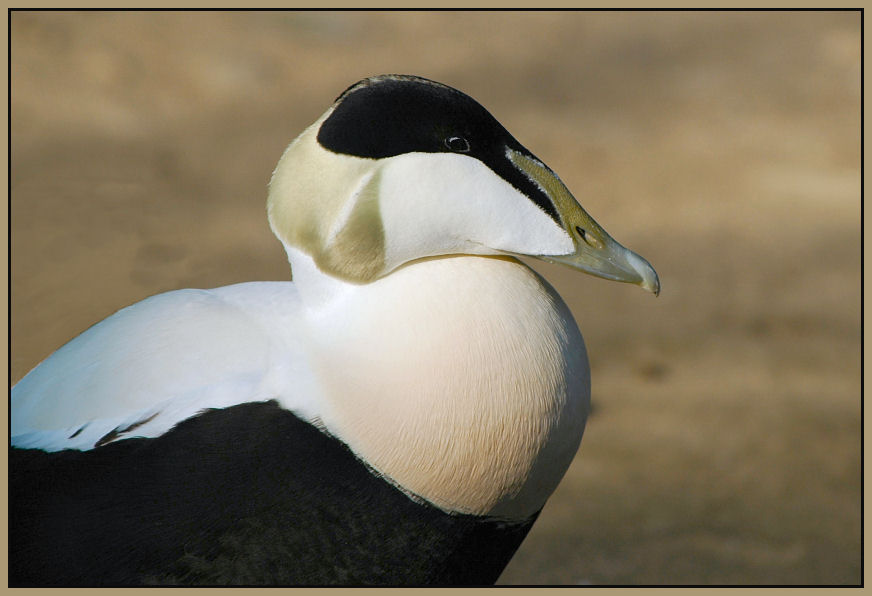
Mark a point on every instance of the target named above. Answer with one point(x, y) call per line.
point(246, 495)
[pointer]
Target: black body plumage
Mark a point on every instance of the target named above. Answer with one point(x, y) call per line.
point(248, 495)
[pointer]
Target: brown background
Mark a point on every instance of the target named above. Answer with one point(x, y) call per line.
point(724, 446)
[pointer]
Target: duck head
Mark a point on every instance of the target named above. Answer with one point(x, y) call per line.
point(402, 168)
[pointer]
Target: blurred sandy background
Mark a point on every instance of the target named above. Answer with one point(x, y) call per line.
point(725, 147)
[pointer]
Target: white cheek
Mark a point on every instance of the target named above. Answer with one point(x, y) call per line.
point(435, 204)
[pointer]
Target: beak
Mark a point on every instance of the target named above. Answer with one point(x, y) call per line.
point(596, 252)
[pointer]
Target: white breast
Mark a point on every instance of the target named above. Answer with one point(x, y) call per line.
point(463, 379)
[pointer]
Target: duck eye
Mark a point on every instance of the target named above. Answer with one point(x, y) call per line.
point(458, 144)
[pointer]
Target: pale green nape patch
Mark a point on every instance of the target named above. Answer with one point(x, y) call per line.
point(357, 251)
point(326, 205)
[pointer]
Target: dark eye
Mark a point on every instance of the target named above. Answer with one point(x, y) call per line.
point(458, 144)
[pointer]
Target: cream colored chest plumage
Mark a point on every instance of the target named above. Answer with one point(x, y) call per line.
point(463, 379)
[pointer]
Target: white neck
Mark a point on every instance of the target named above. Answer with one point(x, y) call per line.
point(462, 379)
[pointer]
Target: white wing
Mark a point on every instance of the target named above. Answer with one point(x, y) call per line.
point(162, 360)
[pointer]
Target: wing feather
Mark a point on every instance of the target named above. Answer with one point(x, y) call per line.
point(162, 360)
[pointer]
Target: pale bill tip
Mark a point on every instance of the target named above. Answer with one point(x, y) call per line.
point(650, 280)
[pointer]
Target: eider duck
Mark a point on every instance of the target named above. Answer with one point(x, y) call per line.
point(398, 414)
